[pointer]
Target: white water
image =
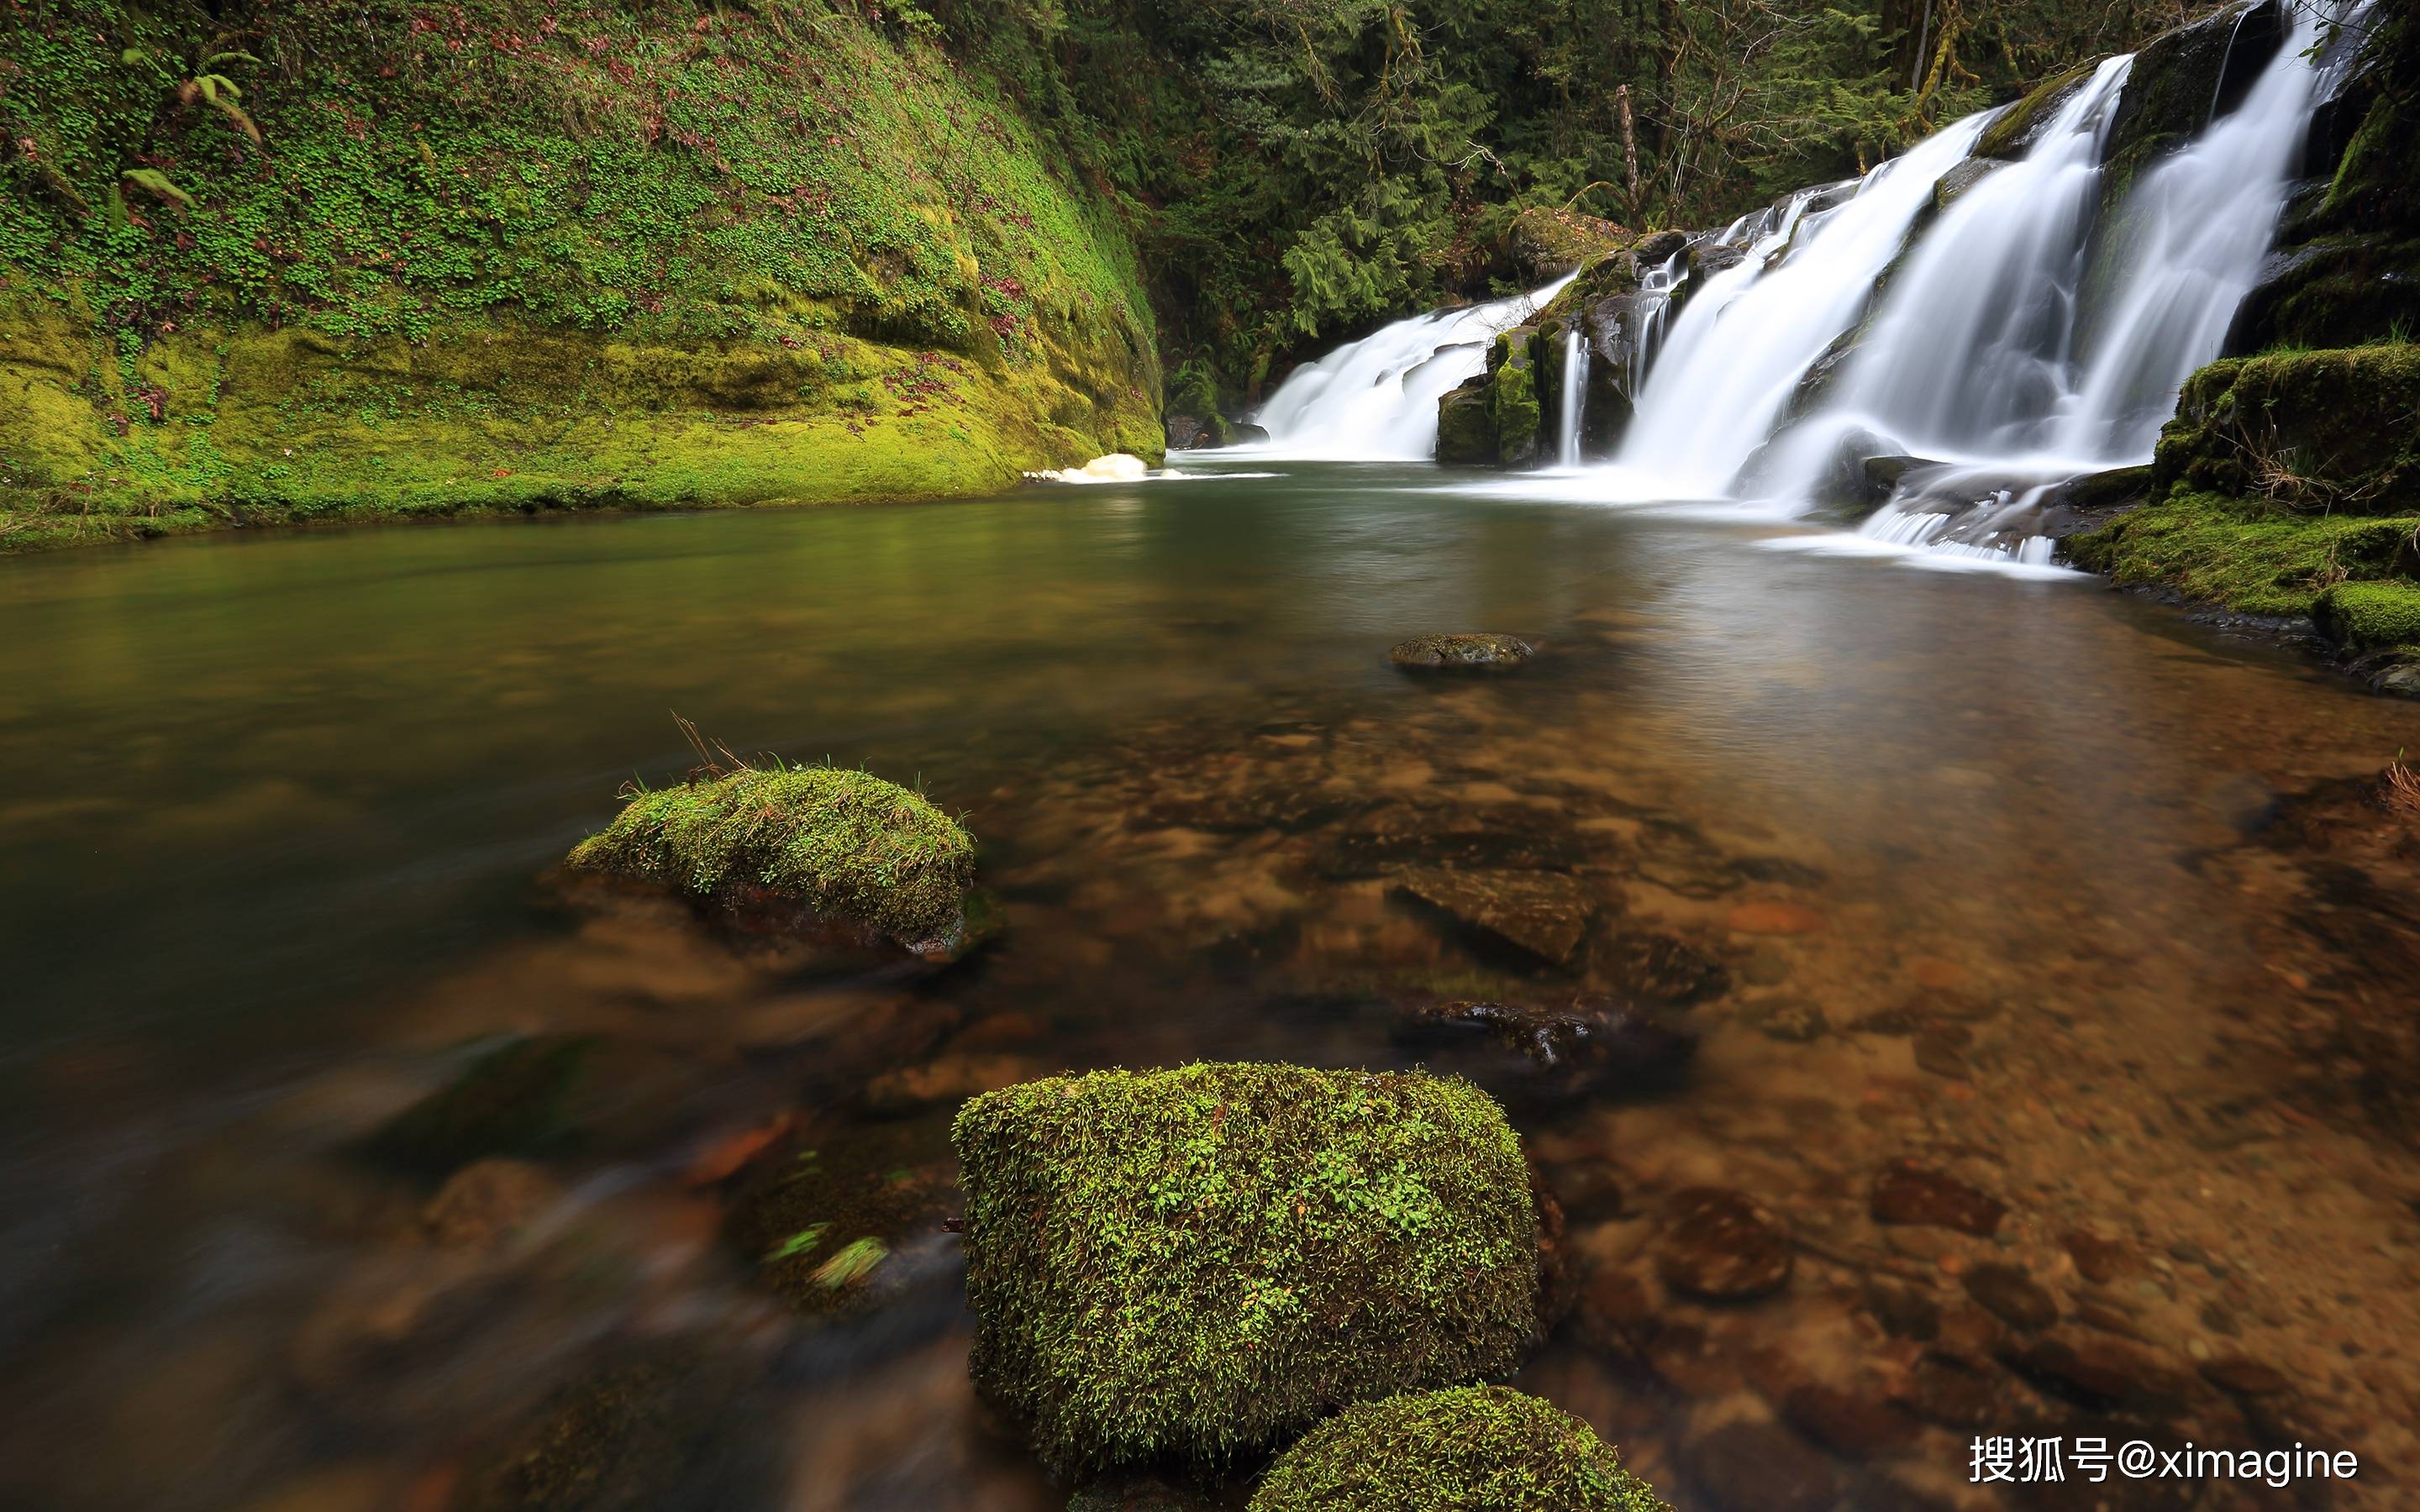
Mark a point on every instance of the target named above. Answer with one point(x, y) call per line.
point(1376, 399)
point(1575, 366)
point(1744, 339)
point(1988, 352)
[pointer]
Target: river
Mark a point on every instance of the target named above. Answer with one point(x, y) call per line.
point(2036, 884)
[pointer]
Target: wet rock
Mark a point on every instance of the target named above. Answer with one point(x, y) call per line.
point(1905, 1312)
point(2100, 1261)
point(1477, 652)
point(656, 1432)
point(1790, 1019)
point(2013, 1297)
point(2246, 1378)
point(2099, 1372)
point(1854, 1424)
point(1718, 1246)
point(482, 1204)
point(1542, 915)
point(1905, 1192)
point(1954, 1392)
point(1761, 1467)
point(1467, 423)
point(1552, 1052)
point(1658, 969)
point(1774, 919)
point(1952, 186)
point(1507, 837)
point(1588, 1191)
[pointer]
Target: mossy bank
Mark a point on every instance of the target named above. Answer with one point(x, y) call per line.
point(310, 261)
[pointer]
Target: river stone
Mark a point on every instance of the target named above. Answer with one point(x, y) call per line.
point(2013, 1297)
point(1542, 914)
point(1954, 1392)
point(1854, 1424)
point(1472, 652)
point(1905, 1192)
point(1558, 1052)
point(1718, 1246)
point(1659, 968)
point(2097, 1371)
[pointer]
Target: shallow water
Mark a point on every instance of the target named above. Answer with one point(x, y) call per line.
point(2029, 882)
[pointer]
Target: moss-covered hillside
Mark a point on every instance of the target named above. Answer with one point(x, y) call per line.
point(264, 263)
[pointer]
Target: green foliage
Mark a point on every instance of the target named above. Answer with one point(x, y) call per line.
point(1197, 1262)
point(1473, 1449)
point(844, 843)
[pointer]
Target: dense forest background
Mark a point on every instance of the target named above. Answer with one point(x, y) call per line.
point(1299, 169)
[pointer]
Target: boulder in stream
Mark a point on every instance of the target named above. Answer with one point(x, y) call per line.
point(1483, 651)
point(818, 852)
point(1472, 1446)
point(1182, 1266)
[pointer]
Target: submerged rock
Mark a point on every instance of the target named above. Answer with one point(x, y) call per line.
point(1551, 1054)
point(1183, 1265)
point(655, 1431)
point(1462, 1450)
point(815, 851)
point(831, 1229)
point(515, 1100)
point(1905, 1192)
point(1542, 915)
point(1470, 652)
point(1719, 1245)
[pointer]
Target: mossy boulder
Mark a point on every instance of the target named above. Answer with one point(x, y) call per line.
point(1512, 369)
point(1473, 1449)
point(1542, 243)
point(2248, 555)
point(1467, 423)
point(2328, 431)
point(1190, 1265)
point(817, 850)
point(2367, 616)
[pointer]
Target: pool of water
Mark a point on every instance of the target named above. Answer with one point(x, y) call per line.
point(2022, 883)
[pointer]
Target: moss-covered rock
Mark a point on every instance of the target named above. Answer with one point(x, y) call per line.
point(2328, 431)
point(2012, 135)
point(1467, 423)
point(1474, 1450)
point(1512, 370)
point(2247, 555)
point(1542, 243)
point(825, 1226)
point(2365, 616)
point(1191, 1264)
point(810, 848)
point(1480, 651)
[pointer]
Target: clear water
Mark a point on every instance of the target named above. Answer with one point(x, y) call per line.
point(279, 808)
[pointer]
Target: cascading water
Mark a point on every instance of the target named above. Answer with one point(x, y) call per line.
point(1743, 340)
point(1575, 366)
point(1377, 398)
point(2032, 333)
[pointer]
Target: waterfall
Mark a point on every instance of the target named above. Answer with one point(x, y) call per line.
point(1576, 361)
point(1377, 398)
point(1743, 340)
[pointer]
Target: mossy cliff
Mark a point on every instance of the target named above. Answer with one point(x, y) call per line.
point(2288, 483)
point(1193, 1264)
point(310, 260)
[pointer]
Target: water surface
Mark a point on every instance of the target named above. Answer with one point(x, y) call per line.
point(2034, 884)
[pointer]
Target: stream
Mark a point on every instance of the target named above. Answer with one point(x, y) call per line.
point(2036, 888)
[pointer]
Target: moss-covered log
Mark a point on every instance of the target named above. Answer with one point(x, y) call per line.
point(1196, 1263)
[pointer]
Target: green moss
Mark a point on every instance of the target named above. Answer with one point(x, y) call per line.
point(2247, 556)
point(846, 845)
point(2328, 431)
point(510, 1102)
point(1467, 423)
point(2013, 133)
point(2365, 616)
point(1476, 1449)
point(1514, 396)
point(1191, 1264)
point(615, 257)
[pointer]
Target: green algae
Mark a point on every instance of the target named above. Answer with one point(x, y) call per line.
point(1192, 1264)
point(1474, 1449)
point(846, 845)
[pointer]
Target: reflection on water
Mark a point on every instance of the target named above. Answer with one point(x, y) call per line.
point(1987, 895)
